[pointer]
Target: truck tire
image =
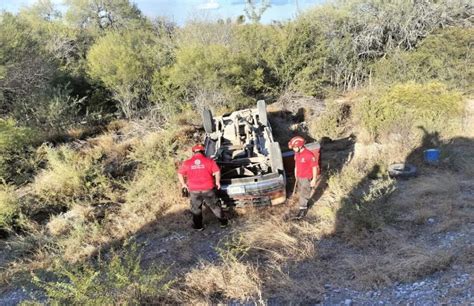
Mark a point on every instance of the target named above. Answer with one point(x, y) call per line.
point(262, 112)
point(208, 121)
point(276, 160)
point(402, 170)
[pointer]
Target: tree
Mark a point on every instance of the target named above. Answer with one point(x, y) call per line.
point(102, 15)
point(42, 9)
point(253, 12)
point(125, 63)
point(24, 68)
point(211, 75)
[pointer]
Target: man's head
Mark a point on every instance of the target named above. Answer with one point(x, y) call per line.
point(296, 143)
point(198, 148)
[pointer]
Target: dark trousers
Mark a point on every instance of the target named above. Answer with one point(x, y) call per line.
point(304, 191)
point(208, 197)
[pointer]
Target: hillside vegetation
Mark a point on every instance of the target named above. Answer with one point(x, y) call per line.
point(99, 104)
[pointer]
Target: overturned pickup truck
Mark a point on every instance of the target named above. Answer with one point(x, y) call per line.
point(250, 160)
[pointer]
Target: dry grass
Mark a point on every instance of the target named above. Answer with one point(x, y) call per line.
point(402, 263)
point(79, 178)
point(209, 283)
point(276, 239)
point(435, 196)
point(62, 180)
point(63, 224)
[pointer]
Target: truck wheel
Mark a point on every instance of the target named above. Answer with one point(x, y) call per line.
point(207, 121)
point(402, 170)
point(262, 112)
point(276, 159)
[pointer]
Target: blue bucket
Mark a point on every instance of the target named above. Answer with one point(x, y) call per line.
point(432, 156)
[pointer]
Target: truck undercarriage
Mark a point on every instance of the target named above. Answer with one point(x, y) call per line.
point(250, 160)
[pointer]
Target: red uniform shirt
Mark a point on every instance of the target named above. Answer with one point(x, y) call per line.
point(304, 163)
point(199, 172)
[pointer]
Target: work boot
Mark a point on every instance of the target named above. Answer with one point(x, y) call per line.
point(301, 214)
point(224, 223)
point(197, 223)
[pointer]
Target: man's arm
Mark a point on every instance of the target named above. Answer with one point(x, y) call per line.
point(181, 180)
point(217, 175)
point(315, 176)
point(295, 166)
point(315, 168)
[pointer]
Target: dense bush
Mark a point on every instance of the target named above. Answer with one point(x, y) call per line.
point(408, 105)
point(443, 56)
point(359, 32)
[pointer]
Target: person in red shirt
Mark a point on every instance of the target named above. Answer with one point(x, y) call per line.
point(306, 172)
point(200, 175)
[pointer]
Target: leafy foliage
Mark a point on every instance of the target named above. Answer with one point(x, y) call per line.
point(360, 32)
point(106, 58)
point(214, 75)
point(24, 69)
point(124, 62)
point(103, 15)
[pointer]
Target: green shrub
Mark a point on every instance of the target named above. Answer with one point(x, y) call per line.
point(120, 280)
point(15, 151)
point(291, 56)
point(410, 105)
point(9, 206)
point(265, 47)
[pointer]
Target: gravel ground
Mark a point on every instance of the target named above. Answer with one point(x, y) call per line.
point(433, 290)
